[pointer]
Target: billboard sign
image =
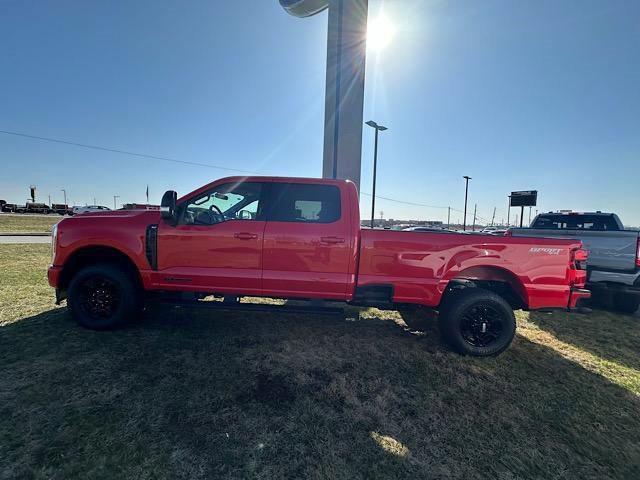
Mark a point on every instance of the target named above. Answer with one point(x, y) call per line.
point(526, 198)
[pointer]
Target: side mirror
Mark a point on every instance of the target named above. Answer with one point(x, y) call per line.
point(168, 207)
point(245, 215)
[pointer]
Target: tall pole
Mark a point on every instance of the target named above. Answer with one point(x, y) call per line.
point(494, 216)
point(114, 201)
point(529, 215)
point(466, 195)
point(378, 129)
point(509, 211)
point(65, 195)
point(373, 193)
point(448, 217)
point(475, 209)
point(521, 215)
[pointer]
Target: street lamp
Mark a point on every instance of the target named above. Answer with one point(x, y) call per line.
point(378, 128)
point(466, 195)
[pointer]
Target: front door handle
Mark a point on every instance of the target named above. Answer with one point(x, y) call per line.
point(332, 240)
point(245, 236)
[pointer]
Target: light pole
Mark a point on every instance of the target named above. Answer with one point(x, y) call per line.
point(475, 209)
point(65, 195)
point(114, 201)
point(378, 129)
point(466, 195)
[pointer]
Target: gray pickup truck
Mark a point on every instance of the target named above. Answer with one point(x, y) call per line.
point(614, 253)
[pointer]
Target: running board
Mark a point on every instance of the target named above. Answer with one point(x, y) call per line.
point(254, 307)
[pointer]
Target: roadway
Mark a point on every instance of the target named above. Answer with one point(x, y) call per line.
point(25, 239)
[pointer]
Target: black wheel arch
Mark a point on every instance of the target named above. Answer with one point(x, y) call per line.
point(93, 255)
point(504, 288)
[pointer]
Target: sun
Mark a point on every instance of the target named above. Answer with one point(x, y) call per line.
point(380, 32)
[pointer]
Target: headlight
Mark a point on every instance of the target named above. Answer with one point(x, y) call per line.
point(54, 240)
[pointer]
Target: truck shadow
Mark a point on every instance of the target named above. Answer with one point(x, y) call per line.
point(608, 335)
point(198, 395)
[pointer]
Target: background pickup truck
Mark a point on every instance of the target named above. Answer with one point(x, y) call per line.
point(613, 268)
point(300, 238)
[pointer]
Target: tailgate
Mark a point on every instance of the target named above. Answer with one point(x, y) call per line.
point(613, 250)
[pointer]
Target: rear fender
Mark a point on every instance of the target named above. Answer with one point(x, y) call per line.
point(499, 280)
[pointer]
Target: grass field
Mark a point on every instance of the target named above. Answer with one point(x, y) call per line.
point(367, 394)
point(28, 223)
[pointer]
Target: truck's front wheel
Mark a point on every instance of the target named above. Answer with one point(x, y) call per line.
point(477, 322)
point(103, 297)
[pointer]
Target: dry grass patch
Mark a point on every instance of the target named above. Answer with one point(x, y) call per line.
point(186, 394)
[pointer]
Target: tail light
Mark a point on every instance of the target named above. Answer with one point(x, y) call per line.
point(578, 267)
point(638, 254)
point(580, 255)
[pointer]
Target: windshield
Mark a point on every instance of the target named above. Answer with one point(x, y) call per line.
point(232, 201)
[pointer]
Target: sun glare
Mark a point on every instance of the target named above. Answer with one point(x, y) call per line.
point(380, 32)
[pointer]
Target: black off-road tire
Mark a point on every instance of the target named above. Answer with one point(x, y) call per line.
point(103, 297)
point(462, 318)
point(626, 303)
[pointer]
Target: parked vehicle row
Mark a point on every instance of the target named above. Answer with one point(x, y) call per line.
point(296, 238)
point(613, 269)
point(44, 209)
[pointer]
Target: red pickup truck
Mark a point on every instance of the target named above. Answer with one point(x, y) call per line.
point(299, 238)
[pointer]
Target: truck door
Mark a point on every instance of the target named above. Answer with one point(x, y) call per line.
point(217, 244)
point(306, 245)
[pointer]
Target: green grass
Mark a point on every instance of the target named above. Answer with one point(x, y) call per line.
point(368, 394)
point(28, 223)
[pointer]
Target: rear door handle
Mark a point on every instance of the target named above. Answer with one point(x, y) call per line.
point(332, 240)
point(245, 236)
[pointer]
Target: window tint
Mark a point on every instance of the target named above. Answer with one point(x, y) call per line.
point(576, 222)
point(231, 201)
point(299, 202)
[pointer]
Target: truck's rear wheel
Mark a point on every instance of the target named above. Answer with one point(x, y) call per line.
point(626, 303)
point(103, 297)
point(477, 322)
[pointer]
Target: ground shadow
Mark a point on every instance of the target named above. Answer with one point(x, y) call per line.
point(184, 394)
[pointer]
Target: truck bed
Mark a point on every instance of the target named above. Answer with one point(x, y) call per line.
point(420, 265)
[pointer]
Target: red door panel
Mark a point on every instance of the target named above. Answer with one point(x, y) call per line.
point(222, 258)
point(307, 256)
point(305, 260)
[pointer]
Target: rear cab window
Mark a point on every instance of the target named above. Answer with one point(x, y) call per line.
point(304, 203)
point(601, 223)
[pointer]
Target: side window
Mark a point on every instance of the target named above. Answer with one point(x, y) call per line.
point(231, 201)
point(306, 203)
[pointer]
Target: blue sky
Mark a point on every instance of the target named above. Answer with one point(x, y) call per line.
point(519, 95)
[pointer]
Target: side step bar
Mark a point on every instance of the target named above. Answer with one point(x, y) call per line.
point(253, 307)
